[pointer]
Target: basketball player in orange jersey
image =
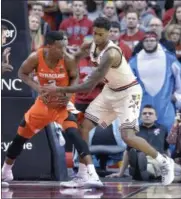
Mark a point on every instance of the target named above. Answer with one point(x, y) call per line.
point(52, 65)
point(120, 97)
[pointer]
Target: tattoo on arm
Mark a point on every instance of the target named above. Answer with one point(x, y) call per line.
point(72, 69)
point(107, 62)
point(83, 52)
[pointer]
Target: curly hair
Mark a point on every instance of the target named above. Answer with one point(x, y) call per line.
point(102, 22)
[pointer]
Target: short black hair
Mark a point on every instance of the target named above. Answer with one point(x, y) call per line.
point(149, 106)
point(115, 24)
point(102, 22)
point(53, 36)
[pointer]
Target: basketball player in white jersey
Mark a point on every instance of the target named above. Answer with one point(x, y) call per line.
point(120, 98)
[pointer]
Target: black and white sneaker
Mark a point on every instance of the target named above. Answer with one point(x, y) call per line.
point(167, 171)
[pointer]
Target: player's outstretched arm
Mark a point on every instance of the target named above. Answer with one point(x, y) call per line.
point(83, 51)
point(107, 62)
point(73, 72)
point(27, 67)
point(72, 69)
point(110, 59)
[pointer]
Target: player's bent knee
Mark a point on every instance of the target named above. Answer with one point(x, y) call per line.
point(78, 142)
point(16, 147)
point(24, 130)
point(69, 124)
point(86, 126)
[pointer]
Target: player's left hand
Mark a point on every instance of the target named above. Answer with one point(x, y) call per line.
point(58, 101)
point(55, 97)
point(50, 89)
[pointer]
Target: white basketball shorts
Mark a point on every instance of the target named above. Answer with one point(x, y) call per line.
point(109, 105)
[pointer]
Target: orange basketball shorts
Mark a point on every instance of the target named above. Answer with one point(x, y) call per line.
point(40, 115)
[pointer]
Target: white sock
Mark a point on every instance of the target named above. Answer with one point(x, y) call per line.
point(6, 167)
point(82, 170)
point(91, 170)
point(160, 158)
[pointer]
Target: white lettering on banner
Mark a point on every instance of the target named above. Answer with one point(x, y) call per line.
point(5, 146)
point(9, 32)
point(11, 84)
point(54, 76)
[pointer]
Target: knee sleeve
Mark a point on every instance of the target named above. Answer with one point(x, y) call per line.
point(70, 122)
point(78, 142)
point(16, 147)
point(24, 130)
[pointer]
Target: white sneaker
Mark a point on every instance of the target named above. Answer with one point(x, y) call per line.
point(6, 193)
point(93, 182)
point(7, 175)
point(4, 184)
point(74, 192)
point(88, 181)
point(76, 182)
point(167, 171)
point(82, 193)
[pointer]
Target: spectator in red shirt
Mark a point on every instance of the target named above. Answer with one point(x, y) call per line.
point(176, 19)
point(82, 100)
point(51, 13)
point(77, 26)
point(115, 33)
point(86, 67)
point(145, 14)
point(167, 16)
point(133, 35)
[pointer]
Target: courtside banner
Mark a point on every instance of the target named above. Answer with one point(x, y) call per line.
point(34, 163)
point(15, 46)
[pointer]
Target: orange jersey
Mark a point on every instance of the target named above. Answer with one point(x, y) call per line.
point(57, 75)
point(41, 114)
point(47, 75)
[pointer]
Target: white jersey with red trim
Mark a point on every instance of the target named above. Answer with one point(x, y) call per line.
point(121, 76)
